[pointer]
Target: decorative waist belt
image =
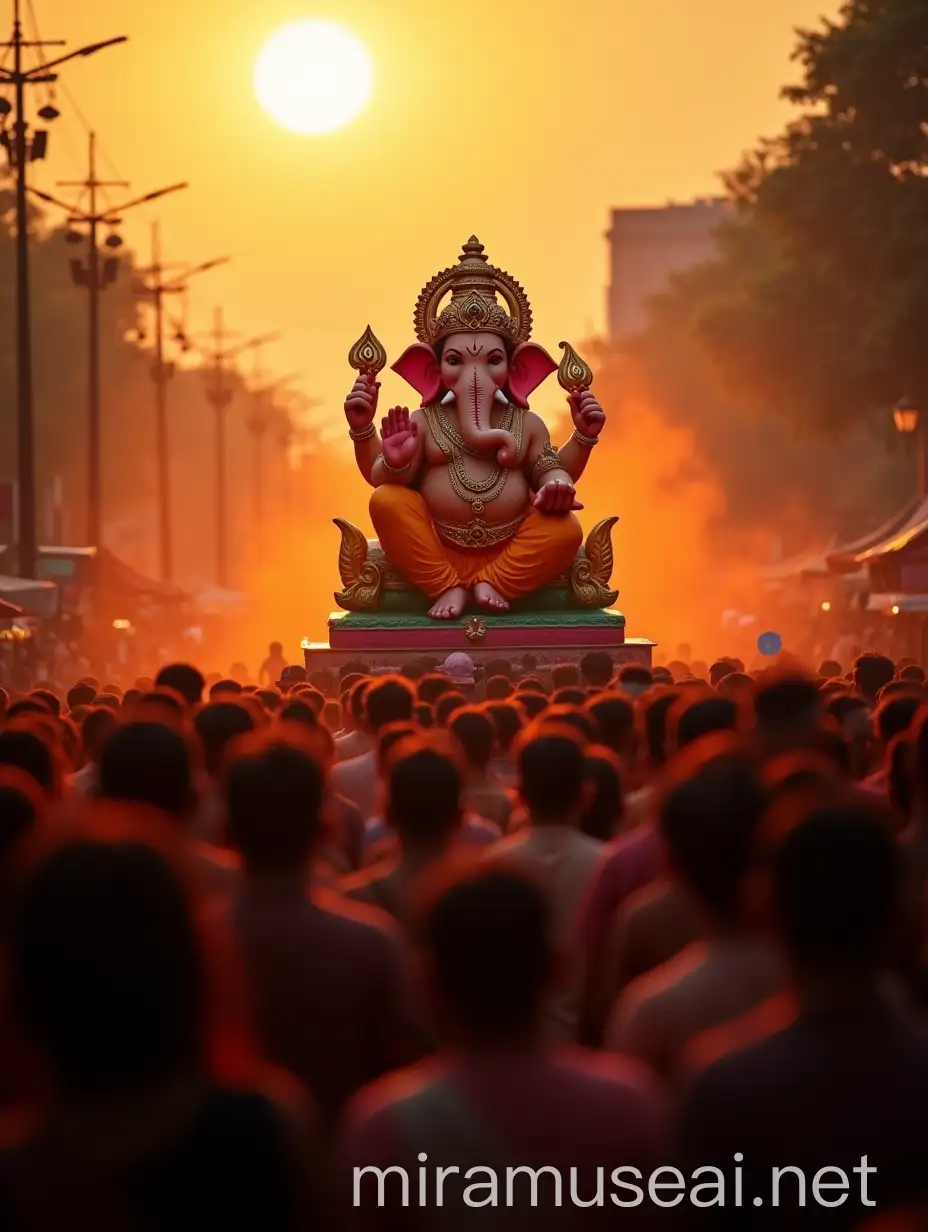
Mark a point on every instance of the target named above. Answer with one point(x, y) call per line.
point(476, 533)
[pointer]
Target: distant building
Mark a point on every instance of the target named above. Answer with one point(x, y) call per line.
point(648, 246)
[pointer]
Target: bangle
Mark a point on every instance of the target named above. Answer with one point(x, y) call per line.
point(365, 434)
point(548, 460)
point(589, 441)
point(394, 470)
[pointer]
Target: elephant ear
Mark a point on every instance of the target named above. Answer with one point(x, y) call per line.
point(529, 366)
point(418, 366)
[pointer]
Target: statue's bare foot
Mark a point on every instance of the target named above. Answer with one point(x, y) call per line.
point(489, 597)
point(450, 605)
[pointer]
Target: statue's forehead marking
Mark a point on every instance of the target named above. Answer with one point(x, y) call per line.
point(474, 349)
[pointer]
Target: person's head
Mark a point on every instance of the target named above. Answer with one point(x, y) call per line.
point(29, 749)
point(532, 684)
point(552, 775)
point(614, 716)
point(498, 688)
point(737, 685)
point(160, 706)
point(871, 672)
point(596, 668)
point(565, 676)
point(275, 650)
point(332, 715)
point(292, 676)
point(835, 882)
point(830, 670)
point(97, 727)
point(106, 971)
point(423, 793)
point(719, 670)
point(312, 697)
point(387, 739)
point(219, 725)
point(893, 717)
point(709, 814)
point(387, 700)
point(270, 699)
point(570, 717)
point(183, 679)
point(432, 686)
point(602, 818)
point(298, 711)
point(634, 679)
point(912, 674)
point(486, 935)
point(353, 668)
point(445, 707)
point(461, 671)
point(654, 722)
point(507, 719)
point(51, 700)
point(27, 707)
point(355, 706)
point(224, 688)
point(129, 698)
point(148, 763)
point(109, 700)
point(568, 697)
point(531, 703)
point(788, 708)
point(473, 729)
point(274, 792)
point(424, 715)
point(694, 718)
point(498, 667)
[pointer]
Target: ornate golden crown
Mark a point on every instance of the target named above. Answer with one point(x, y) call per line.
point(474, 285)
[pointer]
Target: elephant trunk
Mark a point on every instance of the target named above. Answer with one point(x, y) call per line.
point(474, 394)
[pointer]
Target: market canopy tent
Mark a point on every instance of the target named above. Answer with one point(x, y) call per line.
point(29, 597)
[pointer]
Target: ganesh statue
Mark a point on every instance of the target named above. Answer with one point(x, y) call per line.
point(473, 506)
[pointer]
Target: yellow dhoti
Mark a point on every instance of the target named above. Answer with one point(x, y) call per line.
point(543, 546)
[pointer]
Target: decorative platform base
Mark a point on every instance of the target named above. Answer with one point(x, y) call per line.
point(388, 642)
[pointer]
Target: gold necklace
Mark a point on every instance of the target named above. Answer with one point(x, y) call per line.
point(476, 492)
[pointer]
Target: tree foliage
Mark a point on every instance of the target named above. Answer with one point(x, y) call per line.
point(821, 308)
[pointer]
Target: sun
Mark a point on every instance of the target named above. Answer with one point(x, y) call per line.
point(313, 77)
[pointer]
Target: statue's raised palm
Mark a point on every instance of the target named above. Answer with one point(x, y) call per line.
point(400, 437)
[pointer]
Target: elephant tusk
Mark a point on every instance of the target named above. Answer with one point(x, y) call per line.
point(448, 399)
point(501, 398)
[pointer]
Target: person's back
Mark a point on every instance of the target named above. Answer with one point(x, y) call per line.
point(709, 817)
point(134, 1133)
point(327, 981)
point(484, 794)
point(845, 1086)
point(552, 850)
point(496, 1096)
point(389, 700)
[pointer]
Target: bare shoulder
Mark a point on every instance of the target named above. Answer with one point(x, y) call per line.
point(535, 428)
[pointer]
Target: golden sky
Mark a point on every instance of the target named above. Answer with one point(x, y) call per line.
point(521, 120)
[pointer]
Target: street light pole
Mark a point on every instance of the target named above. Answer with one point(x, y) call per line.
point(910, 423)
point(19, 78)
point(96, 279)
point(158, 287)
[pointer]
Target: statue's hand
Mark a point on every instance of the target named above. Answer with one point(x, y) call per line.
point(556, 496)
point(400, 437)
point(361, 403)
point(588, 416)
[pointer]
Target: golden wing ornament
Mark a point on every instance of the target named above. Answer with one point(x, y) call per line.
point(362, 580)
point(591, 572)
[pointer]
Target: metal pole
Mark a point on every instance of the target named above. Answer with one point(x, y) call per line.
point(921, 450)
point(94, 517)
point(27, 550)
point(219, 401)
point(161, 416)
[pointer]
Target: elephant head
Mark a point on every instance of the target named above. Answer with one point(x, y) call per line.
point(473, 369)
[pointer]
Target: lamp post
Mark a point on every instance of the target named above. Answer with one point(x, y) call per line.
point(96, 276)
point(908, 420)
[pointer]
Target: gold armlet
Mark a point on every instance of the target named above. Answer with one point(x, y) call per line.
point(365, 434)
point(548, 460)
point(589, 441)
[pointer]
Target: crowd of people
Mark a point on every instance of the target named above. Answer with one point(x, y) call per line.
point(420, 950)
